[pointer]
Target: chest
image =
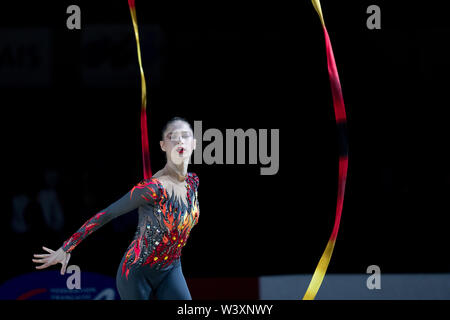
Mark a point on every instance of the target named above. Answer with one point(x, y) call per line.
point(178, 205)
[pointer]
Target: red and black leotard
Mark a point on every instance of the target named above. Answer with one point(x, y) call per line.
point(164, 223)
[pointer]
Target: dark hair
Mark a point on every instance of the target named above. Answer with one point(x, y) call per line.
point(168, 123)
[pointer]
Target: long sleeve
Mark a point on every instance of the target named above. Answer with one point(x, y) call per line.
point(147, 191)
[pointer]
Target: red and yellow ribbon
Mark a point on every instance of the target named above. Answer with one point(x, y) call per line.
point(144, 130)
point(341, 121)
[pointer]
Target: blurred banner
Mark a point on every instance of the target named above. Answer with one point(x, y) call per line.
point(25, 57)
point(109, 55)
point(413, 286)
point(51, 285)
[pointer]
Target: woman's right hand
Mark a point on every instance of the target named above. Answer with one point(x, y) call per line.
point(53, 257)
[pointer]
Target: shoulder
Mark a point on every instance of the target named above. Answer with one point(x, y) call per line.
point(150, 182)
point(148, 188)
point(193, 179)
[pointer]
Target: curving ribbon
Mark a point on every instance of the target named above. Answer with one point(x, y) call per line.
point(144, 130)
point(341, 123)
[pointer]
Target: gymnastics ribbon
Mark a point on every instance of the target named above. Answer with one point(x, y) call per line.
point(341, 123)
point(144, 130)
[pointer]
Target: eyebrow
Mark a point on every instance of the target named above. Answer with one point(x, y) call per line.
point(169, 133)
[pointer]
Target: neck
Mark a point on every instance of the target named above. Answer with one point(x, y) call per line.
point(177, 172)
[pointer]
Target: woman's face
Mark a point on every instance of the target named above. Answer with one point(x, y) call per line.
point(178, 142)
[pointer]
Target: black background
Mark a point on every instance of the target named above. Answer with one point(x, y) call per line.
point(258, 67)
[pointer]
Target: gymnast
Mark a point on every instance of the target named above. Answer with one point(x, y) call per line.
point(168, 209)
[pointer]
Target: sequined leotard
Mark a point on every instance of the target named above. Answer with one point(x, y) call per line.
point(165, 223)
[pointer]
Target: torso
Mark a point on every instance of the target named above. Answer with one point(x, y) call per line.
point(164, 228)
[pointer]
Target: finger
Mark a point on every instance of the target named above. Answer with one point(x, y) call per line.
point(39, 260)
point(43, 266)
point(63, 269)
point(41, 255)
point(65, 264)
point(48, 250)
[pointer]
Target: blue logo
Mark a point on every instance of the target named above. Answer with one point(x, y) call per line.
point(51, 285)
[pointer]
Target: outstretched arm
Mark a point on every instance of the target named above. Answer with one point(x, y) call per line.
point(146, 191)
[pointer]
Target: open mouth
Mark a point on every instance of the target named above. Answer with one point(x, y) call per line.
point(180, 150)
